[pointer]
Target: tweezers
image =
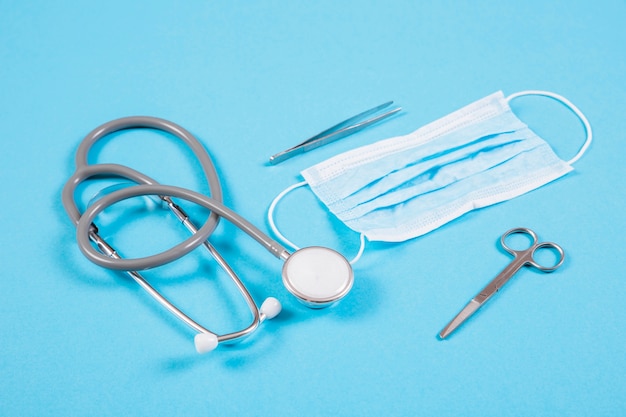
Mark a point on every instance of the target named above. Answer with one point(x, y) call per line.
point(338, 131)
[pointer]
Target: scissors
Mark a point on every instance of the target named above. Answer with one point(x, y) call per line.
point(521, 258)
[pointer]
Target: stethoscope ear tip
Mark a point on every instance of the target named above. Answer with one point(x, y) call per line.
point(205, 342)
point(270, 308)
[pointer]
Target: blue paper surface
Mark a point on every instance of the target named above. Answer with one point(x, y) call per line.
point(250, 79)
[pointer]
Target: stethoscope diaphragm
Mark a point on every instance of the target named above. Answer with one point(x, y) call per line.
point(317, 276)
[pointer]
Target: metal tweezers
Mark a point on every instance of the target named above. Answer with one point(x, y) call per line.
point(338, 131)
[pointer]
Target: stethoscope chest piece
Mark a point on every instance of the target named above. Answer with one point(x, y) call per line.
point(317, 276)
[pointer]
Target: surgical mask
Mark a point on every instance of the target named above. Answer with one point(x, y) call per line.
point(400, 188)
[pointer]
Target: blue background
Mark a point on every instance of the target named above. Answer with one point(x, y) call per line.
point(250, 79)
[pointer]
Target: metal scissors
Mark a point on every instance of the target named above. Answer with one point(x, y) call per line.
point(521, 257)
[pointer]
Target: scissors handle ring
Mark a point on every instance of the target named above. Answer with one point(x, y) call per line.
point(528, 255)
point(521, 231)
point(550, 245)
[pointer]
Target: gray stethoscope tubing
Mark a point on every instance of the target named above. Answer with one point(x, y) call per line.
point(112, 260)
point(84, 228)
point(210, 174)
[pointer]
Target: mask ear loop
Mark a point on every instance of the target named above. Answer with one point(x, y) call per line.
point(568, 104)
point(287, 242)
point(270, 215)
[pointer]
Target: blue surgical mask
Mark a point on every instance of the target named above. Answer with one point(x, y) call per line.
point(400, 188)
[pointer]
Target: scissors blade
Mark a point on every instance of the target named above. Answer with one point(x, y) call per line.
point(486, 293)
point(466, 313)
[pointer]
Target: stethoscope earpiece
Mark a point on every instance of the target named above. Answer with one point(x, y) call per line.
point(205, 342)
point(270, 308)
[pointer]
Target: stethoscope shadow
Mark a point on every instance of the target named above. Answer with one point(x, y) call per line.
point(363, 300)
point(238, 355)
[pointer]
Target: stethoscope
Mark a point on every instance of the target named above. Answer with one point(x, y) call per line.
point(317, 276)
